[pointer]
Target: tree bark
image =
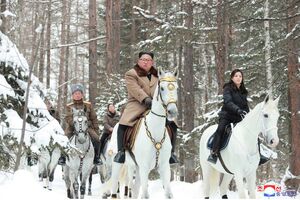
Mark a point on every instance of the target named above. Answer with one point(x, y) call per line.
point(116, 35)
point(109, 31)
point(92, 52)
point(221, 58)
point(61, 91)
point(2, 9)
point(48, 41)
point(268, 48)
point(293, 93)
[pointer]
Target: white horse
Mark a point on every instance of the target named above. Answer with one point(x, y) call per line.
point(152, 146)
point(241, 156)
point(47, 162)
point(80, 161)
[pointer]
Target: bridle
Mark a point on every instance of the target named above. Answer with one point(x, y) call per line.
point(171, 80)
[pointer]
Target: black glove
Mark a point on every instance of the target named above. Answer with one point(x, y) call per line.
point(147, 102)
point(241, 112)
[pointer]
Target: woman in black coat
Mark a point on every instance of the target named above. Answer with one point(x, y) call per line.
point(235, 106)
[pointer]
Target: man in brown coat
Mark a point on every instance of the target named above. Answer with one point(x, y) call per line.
point(78, 103)
point(111, 118)
point(141, 82)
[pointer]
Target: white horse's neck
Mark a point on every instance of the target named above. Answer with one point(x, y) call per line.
point(156, 119)
point(249, 129)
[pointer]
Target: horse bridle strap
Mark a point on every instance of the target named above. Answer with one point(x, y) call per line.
point(157, 145)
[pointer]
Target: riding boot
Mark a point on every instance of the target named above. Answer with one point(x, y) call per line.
point(173, 159)
point(97, 160)
point(215, 149)
point(263, 159)
point(62, 160)
point(120, 157)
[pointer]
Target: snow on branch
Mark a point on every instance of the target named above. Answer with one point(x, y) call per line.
point(78, 43)
point(145, 14)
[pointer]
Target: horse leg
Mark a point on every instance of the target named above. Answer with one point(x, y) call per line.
point(116, 169)
point(165, 175)
point(251, 185)
point(144, 182)
point(240, 186)
point(90, 184)
point(130, 173)
point(224, 185)
point(206, 171)
point(76, 187)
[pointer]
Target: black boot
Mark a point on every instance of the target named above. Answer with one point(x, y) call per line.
point(173, 159)
point(97, 159)
point(120, 157)
point(62, 160)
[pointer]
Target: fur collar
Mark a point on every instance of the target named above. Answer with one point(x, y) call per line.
point(142, 72)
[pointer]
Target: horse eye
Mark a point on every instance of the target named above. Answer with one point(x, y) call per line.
point(161, 88)
point(266, 115)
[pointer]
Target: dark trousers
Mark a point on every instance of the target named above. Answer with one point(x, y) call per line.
point(173, 128)
point(121, 133)
point(103, 138)
point(219, 134)
point(96, 145)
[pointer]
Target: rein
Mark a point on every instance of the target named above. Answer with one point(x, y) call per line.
point(158, 145)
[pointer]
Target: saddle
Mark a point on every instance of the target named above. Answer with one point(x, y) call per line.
point(131, 132)
point(224, 140)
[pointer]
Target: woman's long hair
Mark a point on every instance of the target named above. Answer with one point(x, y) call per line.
point(232, 84)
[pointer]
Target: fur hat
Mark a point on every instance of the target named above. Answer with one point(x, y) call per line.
point(77, 87)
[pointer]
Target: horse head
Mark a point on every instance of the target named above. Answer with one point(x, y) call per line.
point(270, 115)
point(167, 87)
point(80, 125)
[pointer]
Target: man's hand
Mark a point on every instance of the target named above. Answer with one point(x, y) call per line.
point(147, 102)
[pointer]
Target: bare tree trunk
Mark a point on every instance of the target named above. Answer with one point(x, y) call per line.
point(188, 84)
point(268, 48)
point(222, 45)
point(34, 36)
point(188, 78)
point(48, 40)
point(61, 91)
point(293, 93)
point(109, 31)
point(42, 50)
point(153, 7)
point(77, 68)
point(116, 35)
point(132, 35)
point(3, 25)
point(65, 98)
point(92, 52)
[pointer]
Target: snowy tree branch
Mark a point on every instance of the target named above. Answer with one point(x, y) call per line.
point(78, 43)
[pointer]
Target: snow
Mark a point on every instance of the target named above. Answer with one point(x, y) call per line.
point(24, 184)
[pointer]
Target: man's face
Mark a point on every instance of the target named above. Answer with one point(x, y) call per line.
point(77, 96)
point(111, 108)
point(145, 62)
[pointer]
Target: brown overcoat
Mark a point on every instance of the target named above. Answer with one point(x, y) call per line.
point(138, 88)
point(109, 121)
point(91, 116)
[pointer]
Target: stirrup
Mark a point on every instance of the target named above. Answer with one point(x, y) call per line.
point(212, 158)
point(120, 157)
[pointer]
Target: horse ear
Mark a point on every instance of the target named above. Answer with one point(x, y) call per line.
point(267, 98)
point(160, 72)
point(276, 101)
point(175, 73)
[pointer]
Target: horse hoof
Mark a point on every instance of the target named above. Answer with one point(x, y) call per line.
point(89, 193)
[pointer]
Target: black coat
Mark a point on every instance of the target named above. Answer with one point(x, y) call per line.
point(233, 99)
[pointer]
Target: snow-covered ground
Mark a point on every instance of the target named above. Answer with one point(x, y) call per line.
point(24, 184)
